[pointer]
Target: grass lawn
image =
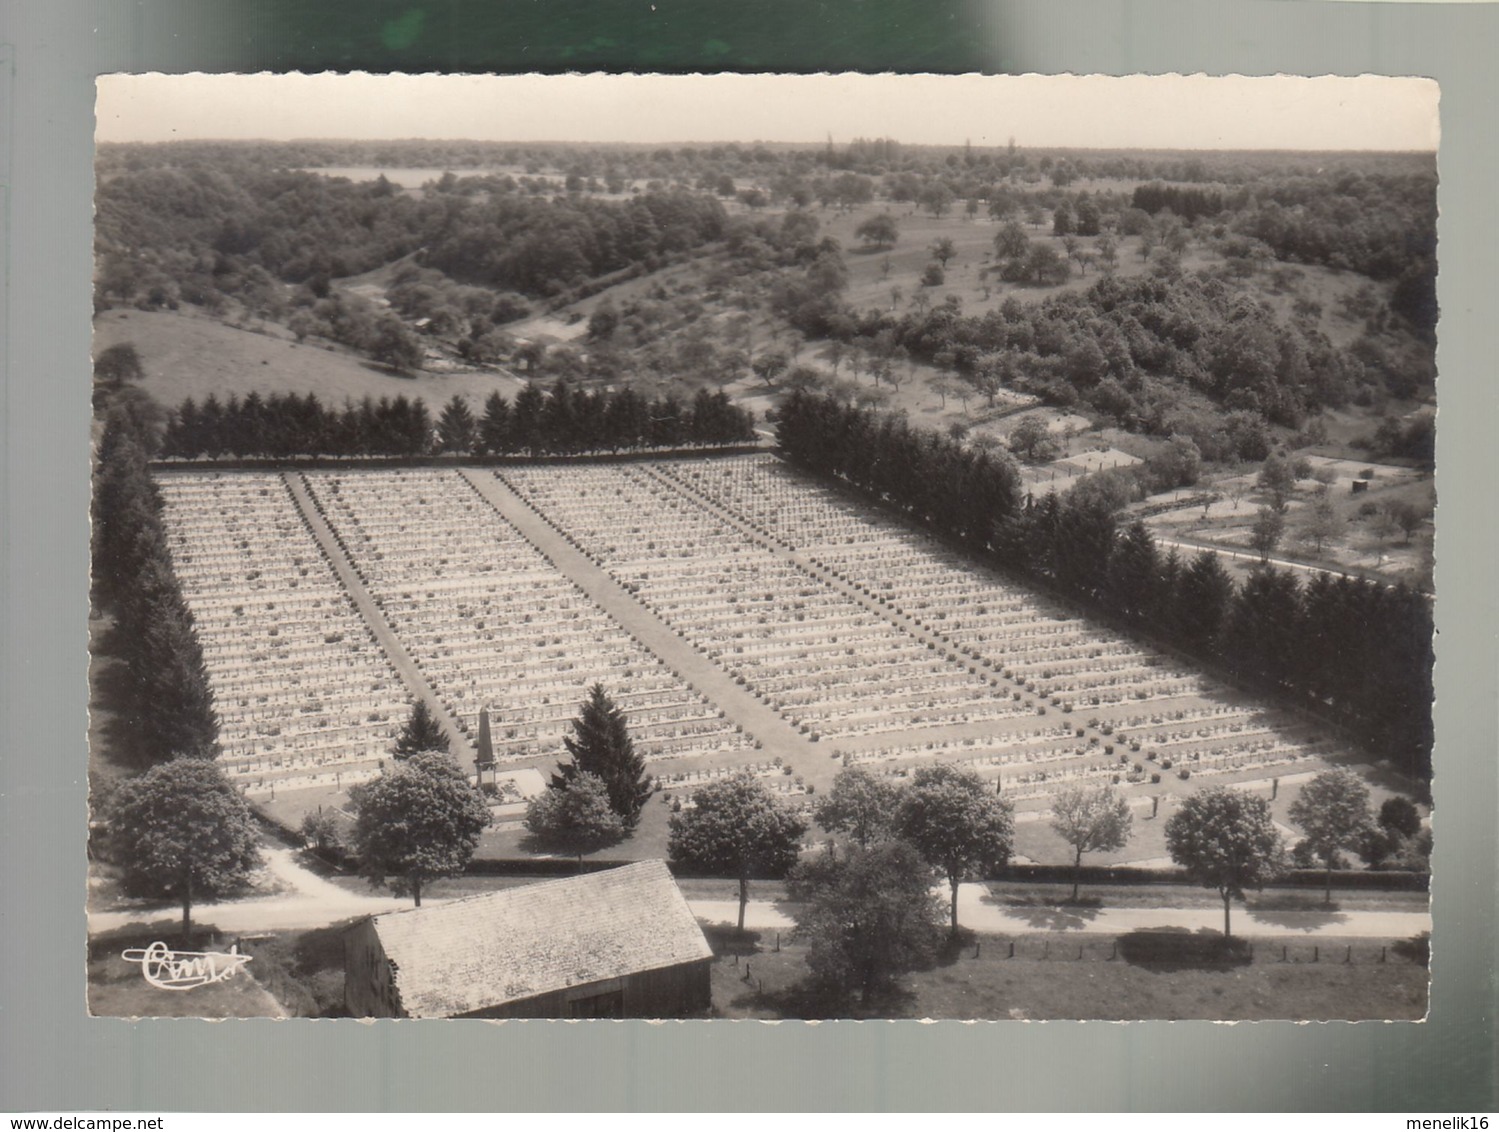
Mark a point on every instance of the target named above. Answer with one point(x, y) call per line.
point(1046, 980)
point(117, 989)
point(1021, 894)
point(297, 974)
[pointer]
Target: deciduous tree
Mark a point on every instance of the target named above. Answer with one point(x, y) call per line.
point(574, 818)
point(1277, 479)
point(1332, 811)
point(1091, 820)
point(181, 830)
point(1266, 533)
point(736, 827)
point(1226, 840)
point(866, 917)
point(880, 230)
point(860, 804)
point(419, 822)
point(393, 343)
point(957, 823)
point(1011, 242)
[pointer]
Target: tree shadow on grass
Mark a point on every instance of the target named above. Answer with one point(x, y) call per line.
point(810, 1000)
point(726, 939)
point(1298, 919)
point(388, 371)
point(1056, 917)
point(1167, 950)
point(951, 948)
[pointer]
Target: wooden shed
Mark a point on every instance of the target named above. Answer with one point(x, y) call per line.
point(616, 944)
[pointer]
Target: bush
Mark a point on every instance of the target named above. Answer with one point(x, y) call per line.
point(1417, 949)
point(1399, 815)
point(1182, 949)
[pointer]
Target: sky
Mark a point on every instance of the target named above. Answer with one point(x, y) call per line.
point(1138, 112)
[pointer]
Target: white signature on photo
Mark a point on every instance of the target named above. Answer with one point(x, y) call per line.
point(184, 970)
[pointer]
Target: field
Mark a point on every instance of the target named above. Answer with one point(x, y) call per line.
point(189, 354)
point(742, 616)
point(1049, 977)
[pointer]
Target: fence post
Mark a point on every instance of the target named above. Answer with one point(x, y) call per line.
point(1316, 953)
point(1349, 957)
point(1012, 949)
point(1382, 951)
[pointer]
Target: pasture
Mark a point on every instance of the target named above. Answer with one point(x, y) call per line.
point(188, 354)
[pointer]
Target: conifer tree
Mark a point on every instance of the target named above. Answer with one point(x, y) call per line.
point(455, 428)
point(173, 701)
point(494, 427)
point(601, 745)
point(422, 733)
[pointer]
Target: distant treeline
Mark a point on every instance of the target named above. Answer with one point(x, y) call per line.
point(1126, 346)
point(1355, 650)
point(1188, 202)
point(561, 421)
point(198, 234)
point(199, 219)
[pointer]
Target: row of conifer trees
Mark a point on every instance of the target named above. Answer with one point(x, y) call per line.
point(1355, 650)
point(164, 701)
point(561, 421)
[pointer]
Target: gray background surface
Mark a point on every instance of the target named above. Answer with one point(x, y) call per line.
point(53, 1057)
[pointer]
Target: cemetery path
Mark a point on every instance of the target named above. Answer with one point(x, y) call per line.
point(978, 911)
point(1194, 545)
point(405, 666)
point(760, 720)
point(314, 902)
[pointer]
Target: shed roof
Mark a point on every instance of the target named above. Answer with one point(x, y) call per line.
point(500, 947)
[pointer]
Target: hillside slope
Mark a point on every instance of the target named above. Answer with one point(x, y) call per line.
point(191, 355)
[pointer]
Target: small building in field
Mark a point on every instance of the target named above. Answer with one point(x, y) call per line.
point(615, 944)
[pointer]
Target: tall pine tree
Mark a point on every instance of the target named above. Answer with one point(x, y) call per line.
point(601, 745)
point(422, 733)
point(172, 700)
